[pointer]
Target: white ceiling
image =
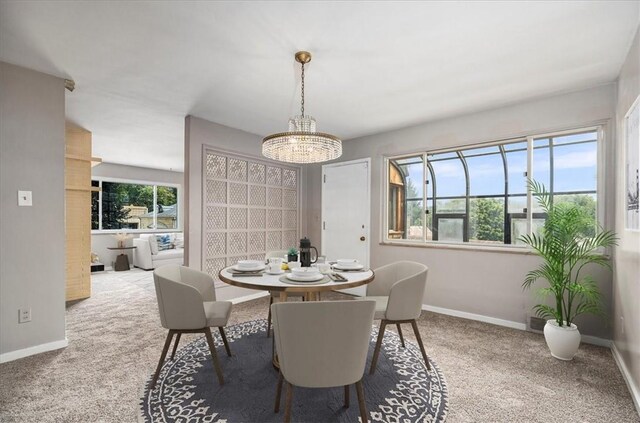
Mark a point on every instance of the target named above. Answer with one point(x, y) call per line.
point(140, 67)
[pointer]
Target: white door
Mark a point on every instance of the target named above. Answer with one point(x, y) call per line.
point(346, 212)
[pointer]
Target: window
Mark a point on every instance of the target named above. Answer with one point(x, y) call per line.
point(479, 194)
point(133, 206)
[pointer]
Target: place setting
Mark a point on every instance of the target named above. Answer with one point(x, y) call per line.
point(348, 265)
point(248, 268)
point(316, 274)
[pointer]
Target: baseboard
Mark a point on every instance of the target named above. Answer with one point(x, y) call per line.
point(477, 317)
point(249, 297)
point(594, 340)
point(626, 375)
point(587, 339)
point(37, 349)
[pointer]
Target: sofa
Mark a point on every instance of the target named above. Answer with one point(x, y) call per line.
point(155, 250)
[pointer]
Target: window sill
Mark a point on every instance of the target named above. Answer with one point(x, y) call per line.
point(473, 247)
point(134, 231)
point(468, 247)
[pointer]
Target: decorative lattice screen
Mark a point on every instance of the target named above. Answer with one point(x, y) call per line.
point(249, 207)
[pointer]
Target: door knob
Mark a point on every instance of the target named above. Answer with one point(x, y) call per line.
point(362, 238)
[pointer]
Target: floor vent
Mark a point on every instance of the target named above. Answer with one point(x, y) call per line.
point(537, 324)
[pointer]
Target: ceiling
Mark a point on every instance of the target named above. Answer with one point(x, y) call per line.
point(141, 67)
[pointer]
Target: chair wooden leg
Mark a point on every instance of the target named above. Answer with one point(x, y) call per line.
point(361, 403)
point(278, 393)
point(346, 396)
point(175, 345)
point(165, 349)
point(400, 333)
point(214, 355)
point(269, 316)
point(376, 352)
point(224, 340)
point(287, 403)
point(414, 325)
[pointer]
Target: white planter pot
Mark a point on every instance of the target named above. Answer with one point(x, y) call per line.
point(563, 342)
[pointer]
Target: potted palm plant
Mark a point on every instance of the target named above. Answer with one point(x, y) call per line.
point(568, 241)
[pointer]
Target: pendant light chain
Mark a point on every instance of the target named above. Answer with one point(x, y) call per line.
point(302, 103)
point(302, 143)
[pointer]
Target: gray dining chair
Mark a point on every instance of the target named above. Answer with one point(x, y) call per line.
point(398, 290)
point(187, 304)
point(275, 295)
point(321, 345)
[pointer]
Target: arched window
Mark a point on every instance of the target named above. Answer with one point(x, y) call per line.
point(480, 194)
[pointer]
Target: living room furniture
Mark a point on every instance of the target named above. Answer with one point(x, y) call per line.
point(122, 259)
point(187, 304)
point(322, 345)
point(397, 291)
point(97, 267)
point(77, 204)
point(148, 256)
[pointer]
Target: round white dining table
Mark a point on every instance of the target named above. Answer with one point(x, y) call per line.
point(273, 283)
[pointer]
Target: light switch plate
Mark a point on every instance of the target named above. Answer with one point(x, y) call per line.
point(24, 315)
point(24, 198)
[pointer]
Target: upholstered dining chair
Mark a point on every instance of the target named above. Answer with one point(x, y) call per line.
point(322, 344)
point(187, 304)
point(397, 290)
point(275, 295)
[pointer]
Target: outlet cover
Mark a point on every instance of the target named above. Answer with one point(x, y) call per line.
point(24, 315)
point(24, 198)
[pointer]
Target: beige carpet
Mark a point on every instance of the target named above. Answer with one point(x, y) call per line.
point(494, 374)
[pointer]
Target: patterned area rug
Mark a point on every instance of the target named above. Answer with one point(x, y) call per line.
point(401, 390)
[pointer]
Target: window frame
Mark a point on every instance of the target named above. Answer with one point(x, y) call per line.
point(601, 170)
point(155, 185)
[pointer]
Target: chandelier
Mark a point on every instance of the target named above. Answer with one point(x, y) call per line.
point(302, 144)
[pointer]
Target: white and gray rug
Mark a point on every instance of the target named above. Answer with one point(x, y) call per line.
point(401, 390)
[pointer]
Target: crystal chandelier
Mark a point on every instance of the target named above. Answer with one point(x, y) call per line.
point(302, 144)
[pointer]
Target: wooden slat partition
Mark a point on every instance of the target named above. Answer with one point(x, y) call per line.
point(78, 212)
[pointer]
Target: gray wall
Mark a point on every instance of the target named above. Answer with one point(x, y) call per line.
point(198, 133)
point(32, 240)
point(101, 241)
point(477, 281)
point(626, 291)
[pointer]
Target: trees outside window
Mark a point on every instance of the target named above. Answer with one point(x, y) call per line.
point(121, 205)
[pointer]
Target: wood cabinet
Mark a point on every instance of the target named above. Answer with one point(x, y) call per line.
point(78, 212)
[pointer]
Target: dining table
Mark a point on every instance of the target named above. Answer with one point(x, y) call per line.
point(264, 281)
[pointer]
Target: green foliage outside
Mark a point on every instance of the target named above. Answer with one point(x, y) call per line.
point(565, 250)
point(486, 215)
point(116, 195)
point(486, 220)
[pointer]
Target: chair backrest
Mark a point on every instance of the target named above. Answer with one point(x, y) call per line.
point(277, 253)
point(322, 344)
point(404, 283)
point(181, 292)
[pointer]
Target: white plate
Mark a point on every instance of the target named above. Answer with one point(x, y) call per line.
point(354, 267)
point(269, 272)
point(304, 271)
point(245, 269)
point(247, 264)
point(310, 278)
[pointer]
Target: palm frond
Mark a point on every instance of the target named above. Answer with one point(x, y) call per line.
point(565, 245)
